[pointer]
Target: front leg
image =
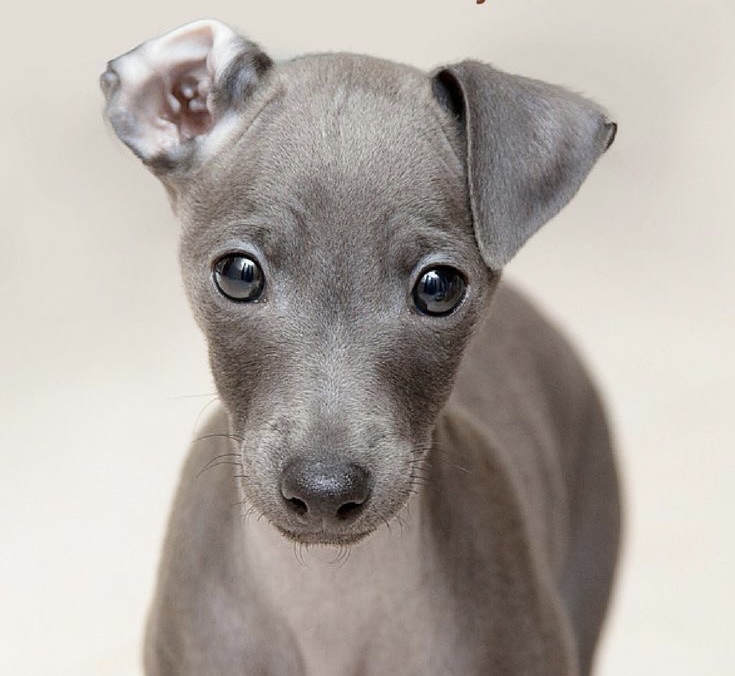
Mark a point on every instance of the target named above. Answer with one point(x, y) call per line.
point(216, 636)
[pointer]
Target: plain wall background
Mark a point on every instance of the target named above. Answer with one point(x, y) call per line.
point(104, 372)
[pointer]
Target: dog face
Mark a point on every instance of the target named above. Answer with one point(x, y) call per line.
point(347, 199)
point(344, 221)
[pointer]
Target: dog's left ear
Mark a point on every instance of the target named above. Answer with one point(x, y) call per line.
point(172, 95)
point(529, 147)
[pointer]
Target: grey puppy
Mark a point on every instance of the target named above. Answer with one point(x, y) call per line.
point(344, 224)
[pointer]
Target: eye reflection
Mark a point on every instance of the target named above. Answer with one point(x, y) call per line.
point(239, 278)
point(439, 291)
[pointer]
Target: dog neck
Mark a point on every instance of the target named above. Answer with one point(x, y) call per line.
point(336, 600)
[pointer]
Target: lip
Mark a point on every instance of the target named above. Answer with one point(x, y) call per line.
point(323, 537)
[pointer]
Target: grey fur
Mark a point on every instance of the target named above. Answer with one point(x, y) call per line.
point(522, 177)
point(345, 178)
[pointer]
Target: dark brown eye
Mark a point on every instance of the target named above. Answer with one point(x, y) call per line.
point(439, 291)
point(239, 278)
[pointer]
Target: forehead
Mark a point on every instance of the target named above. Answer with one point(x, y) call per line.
point(342, 144)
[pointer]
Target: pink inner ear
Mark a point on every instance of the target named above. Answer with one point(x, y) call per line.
point(162, 93)
point(186, 100)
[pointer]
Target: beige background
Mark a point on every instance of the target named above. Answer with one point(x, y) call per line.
point(103, 371)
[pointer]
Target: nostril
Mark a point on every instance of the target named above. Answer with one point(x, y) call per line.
point(297, 506)
point(349, 510)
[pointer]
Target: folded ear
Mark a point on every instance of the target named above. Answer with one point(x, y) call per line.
point(168, 95)
point(529, 146)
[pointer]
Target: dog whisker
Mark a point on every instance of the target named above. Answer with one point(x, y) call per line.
point(219, 435)
point(222, 459)
point(213, 400)
point(343, 555)
point(440, 453)
point(299, 550)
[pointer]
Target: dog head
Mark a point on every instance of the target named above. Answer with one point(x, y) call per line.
point(344, 222)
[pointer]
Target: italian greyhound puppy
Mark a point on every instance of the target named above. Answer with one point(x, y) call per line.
point(417, 476)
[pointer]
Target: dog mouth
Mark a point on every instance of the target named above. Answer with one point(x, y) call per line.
point(323, 537)
point(343, 529)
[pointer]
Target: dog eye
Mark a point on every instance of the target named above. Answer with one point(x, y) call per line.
point(238, 277)
point(439, 290)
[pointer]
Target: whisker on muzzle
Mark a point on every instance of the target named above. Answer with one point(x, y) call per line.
point(222, 459)
point(213, 400)
point(439, 457)
point(219, 435)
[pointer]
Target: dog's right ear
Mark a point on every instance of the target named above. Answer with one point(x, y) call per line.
point(170, 97)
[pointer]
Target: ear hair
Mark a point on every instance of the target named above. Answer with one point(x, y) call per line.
point(529, 147)
point(169, 93)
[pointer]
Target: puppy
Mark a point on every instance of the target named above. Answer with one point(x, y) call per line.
point(345, 221)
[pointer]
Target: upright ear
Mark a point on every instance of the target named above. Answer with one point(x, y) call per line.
point(529, 146)
point(167, 96)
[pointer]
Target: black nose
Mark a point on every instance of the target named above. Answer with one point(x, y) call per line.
point(329, 492)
